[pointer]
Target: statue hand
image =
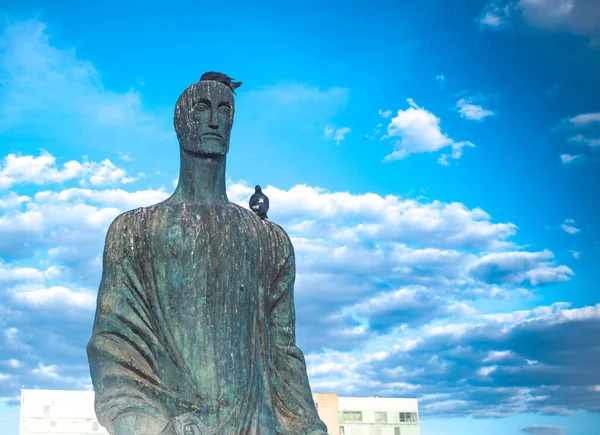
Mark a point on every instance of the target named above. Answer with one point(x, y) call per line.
point(169, 430)
point(188, 424)
point(140, 424)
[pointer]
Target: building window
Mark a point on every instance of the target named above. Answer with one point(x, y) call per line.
point(95, 426)
point(352, 416)
point(397, 430)
point(53, 423)
point(407, 417)
point(381, 417)
point(341, 430)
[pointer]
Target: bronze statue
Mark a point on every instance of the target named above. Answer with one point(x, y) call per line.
point(195, 326)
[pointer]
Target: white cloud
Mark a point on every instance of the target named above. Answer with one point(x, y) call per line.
point(107, 173)
point(37, 296)
point(419, 131)
point(519, 266)
point(13, 200)
point(579, 17)
point(461, 309)
point(44, 170)
point(394, 263)
point(472, 111)
point(126, 157)
point(587, 124)
point(49, 90)
point(570, 228)
point(568, 158)
point(72, 219)
point(494, 356)
point(576, 254)
point(41, 217)
point(385, 114)
point(46, 371)
point(584, 119)
point(443, 160)
point(394, 308)
point(11, 335)
point(544, 429)
point(441, 78)
point(51, 373)
point(486, 371)
point(346, 216)
point(5, 377)
point(38, 170)
point(495, 14)
point(118, 198)
point(12, 363)
point(492, 19)
point(11, 273)
point(579, 138)
point(336, 134)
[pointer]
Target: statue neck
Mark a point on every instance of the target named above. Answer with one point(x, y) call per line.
point(201, 179)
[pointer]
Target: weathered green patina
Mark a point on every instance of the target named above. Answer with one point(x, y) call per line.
point(195, 326)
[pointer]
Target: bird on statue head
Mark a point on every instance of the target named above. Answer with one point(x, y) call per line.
point(223, 78)
point(259, 203)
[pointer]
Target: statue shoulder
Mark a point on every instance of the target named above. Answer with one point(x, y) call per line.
point(129, 222)
point(123, 220)
point(281, 236)
point(276, 231)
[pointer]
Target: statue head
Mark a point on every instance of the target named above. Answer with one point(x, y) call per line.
point(204, 115)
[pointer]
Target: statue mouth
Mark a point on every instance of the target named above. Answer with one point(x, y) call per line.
point(212, 135)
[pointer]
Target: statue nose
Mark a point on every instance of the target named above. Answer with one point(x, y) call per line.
point(212, 122)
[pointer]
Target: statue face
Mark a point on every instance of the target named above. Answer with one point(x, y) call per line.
point(204, 117)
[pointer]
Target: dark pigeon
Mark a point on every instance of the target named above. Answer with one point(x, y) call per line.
point(259, 203)
point(223, 78)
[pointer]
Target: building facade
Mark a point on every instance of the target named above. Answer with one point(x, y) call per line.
point(58, 412)
point(72, 413)
point(368, 415)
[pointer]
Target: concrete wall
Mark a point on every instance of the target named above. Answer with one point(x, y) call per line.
point(327, 407)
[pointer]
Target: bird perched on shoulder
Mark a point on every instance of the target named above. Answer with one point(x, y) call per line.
point(259, 203)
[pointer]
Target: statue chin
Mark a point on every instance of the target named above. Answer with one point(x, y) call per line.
point(207, 147)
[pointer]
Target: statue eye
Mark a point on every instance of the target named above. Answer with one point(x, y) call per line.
point(224, 110)
point(201, 107)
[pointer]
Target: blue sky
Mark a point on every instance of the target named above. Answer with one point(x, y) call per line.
point(434, 162)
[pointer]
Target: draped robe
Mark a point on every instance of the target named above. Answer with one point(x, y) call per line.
point(195, 316)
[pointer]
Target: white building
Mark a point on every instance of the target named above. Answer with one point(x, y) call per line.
point(72, 413)
point(378, 416)
point(58, 412)
point(368, 415)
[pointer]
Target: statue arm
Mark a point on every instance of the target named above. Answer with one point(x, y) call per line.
point(119, 351)
point(289, 380)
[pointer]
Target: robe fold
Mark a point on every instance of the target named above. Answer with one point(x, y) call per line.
point(195, 317)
